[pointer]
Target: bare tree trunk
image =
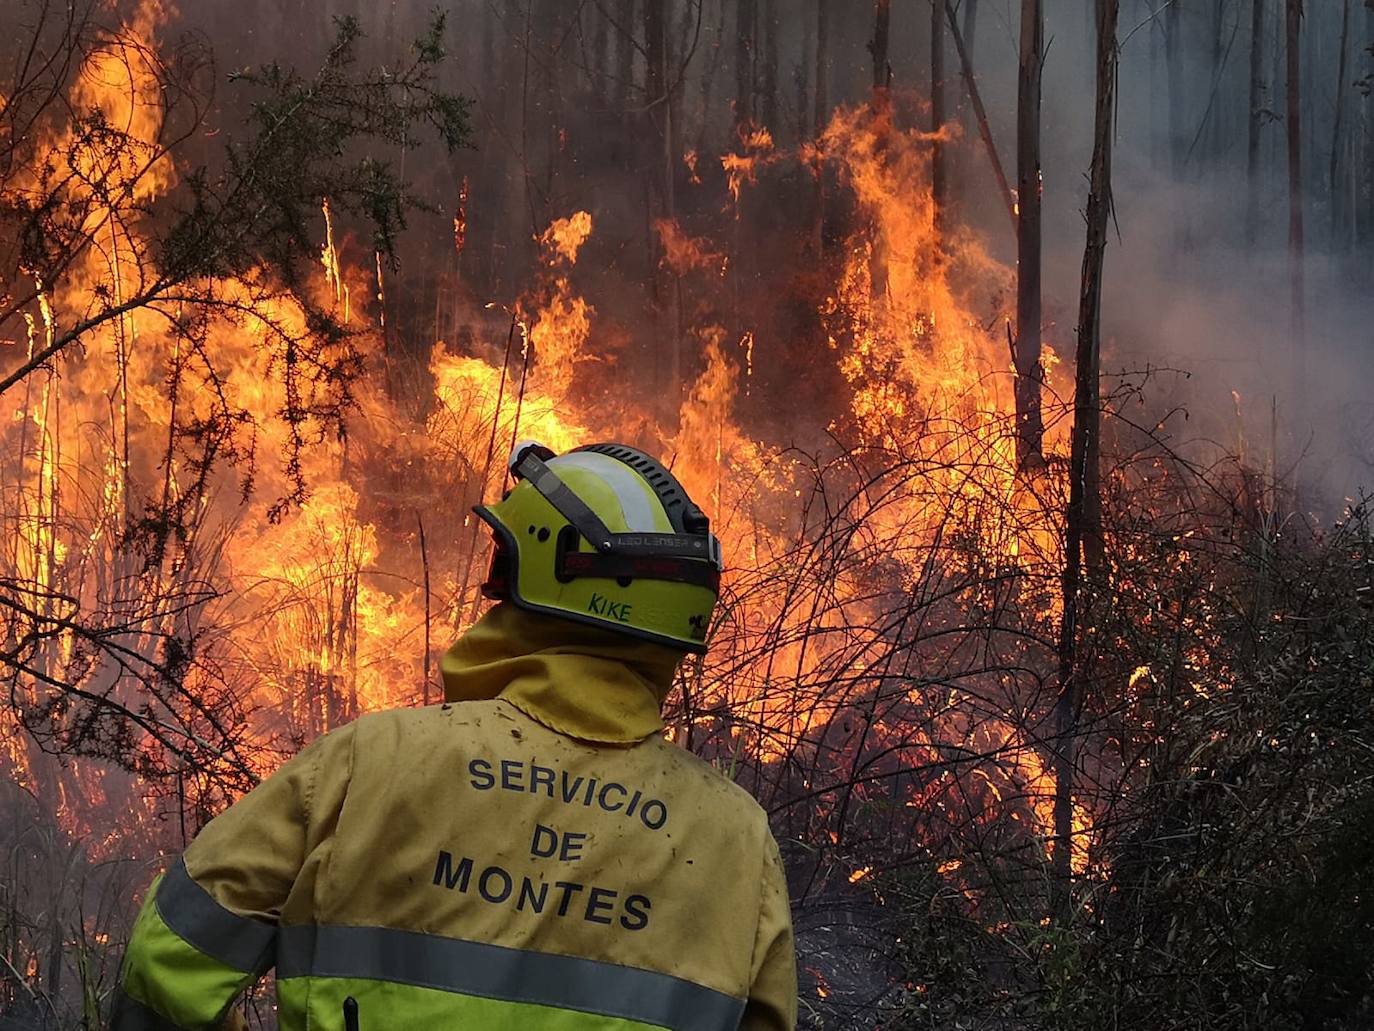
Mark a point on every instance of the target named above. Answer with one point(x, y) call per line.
point(745, 24)
point(938, 169)
point(962, 48)
point(1295, 206)
point(820, 116)
point(1159, 85)
point(770, 30)
point(424, 564)
point(1364, 186)
point(1083, 529)
point(1338, 130)
point(881, 110)
point(659, 165)
point(601, 45)
point(964, 38)
point(1026, 350)
point(822, 107)
point(1178, 88)
point(679, 52)
point(878, 46)
point(1252, 164)
point(1213, 131)
point(801, 79)
point(656, 98)
point(708, 77)
point(624, 54)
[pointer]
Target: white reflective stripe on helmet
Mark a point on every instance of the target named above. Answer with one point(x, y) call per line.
point(518, 451)
point(634, 495)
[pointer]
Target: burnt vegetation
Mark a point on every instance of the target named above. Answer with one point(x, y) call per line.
point(1052, 665)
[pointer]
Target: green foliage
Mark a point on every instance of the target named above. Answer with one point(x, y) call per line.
point(313, 138)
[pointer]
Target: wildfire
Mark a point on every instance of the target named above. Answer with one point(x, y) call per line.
point(683, 254)
point(321, 609)
point(460, 218)
point(565, 237)
point(333, 272)
point(742, 169)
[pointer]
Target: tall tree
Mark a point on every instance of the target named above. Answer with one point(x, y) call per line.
point(601, 45)
point(1338, 128)
point(1365, 164)
point(1212, 133)
point(662, 205)
point(938, 187)
point(1295, 202)
point(820, 115)
point(1178, 87)
point(980, 115)
point(746, 23)
point(1256, 123)
point(1026, 350)
point(769, 31)
point(880, 106)
point(624, 53)
point(1083, 521)
point(965, 40)
point(878, 48)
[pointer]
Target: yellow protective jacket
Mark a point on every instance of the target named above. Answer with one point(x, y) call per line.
point(529, 855)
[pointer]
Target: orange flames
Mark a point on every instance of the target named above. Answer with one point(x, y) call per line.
point(742, 169)
point(319, 609)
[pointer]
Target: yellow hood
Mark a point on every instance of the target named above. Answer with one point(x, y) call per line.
point(574, 679)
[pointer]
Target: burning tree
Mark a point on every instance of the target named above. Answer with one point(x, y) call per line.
point(144, 270)
point(997, 655)
point(166, 353)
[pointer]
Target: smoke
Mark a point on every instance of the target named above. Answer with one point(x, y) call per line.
point(1199, 275)
point(722, 344)
point(1192, 283)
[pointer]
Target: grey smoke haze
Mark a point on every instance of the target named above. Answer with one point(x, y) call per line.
point(1185, 289)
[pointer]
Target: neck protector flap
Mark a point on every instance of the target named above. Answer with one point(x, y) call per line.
point(578, 680)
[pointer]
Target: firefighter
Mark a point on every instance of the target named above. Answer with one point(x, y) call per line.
point(531, 853)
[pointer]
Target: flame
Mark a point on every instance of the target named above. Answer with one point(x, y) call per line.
point(460, 218)
point(756, 152)
point(333, 274)
point(565, 237)
point(317, 608)
point(119, 86)
point(684, 254)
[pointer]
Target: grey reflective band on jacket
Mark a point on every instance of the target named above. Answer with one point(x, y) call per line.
point(197, 919)
point(510, 975)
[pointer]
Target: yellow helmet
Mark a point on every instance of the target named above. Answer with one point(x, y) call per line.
point(604, 535)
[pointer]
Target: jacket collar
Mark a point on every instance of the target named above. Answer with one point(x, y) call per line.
point(577, 680)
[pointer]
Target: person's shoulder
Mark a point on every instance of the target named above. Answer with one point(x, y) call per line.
point(411, 723)
point(416, 715)
point(709, 778)
point(384, 721)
